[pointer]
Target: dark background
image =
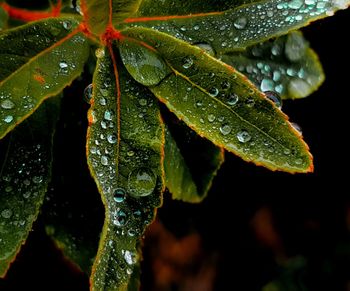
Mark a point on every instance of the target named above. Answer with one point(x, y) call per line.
point(256, 226)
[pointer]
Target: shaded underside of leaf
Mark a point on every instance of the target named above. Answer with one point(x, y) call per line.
point(222, 105)
point(191, 163)
point(96, 14)
point(37, 61)
point(286, 66)
point(73, 212)
point(125, 156)
point(249, 24)
point(24, 177)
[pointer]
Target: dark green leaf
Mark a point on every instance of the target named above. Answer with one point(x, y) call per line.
point(125, 156)
point(190, 163)
point(221, 105)
point(99, 13)
point(238, 28)
point(24, 175)
point(43, 57)
point(3, 18)
point(286, 65)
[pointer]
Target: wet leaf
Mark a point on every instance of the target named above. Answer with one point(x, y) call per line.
point(125, 156)
point(286, 66)
point(236, 29)
point(44, 57)
point(99, 13)
point(24, 174)
point(191, 162)
point(246, 123)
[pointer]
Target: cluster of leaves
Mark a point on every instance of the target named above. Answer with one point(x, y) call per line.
point(194, 58)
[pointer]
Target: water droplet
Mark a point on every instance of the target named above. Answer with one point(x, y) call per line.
point(214, 92)
point(104, 160)
point(6, 213)
point(267, 85)
point(63, 67)
point(130, 153)
point(243, 136)
point(141, 182)
point(131, 232)
point(130, 257)
point(120, 218)
point(196, 27)
point(275, 98)
point(207, 48)
point(88, 93)
point(93, 150)
point(104, 92)
point(119, 195)
point(297, 127)
point(8, 118)
point(99, 53)
point(232, 99)
point(143, 102)
point(112, 138)
point(108, 115)
point(295, 4)
point(7, 104)
point(240, 22)
point(103, 101)
point(211, 117)
point(37, 179)
point(67, 25)
point(225, 129)
point(187, 62)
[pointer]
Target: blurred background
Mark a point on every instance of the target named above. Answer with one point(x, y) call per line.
point(257, 230)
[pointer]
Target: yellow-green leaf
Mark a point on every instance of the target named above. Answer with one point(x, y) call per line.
point(37, 60)
point(222, 105)
point(25, 173)
point(125, 156)
point(191, 163)
point(238, 28)
point(286, 66)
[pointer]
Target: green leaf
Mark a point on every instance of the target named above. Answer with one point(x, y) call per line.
point(190, 163)
point(238, 28)
point(182, 7)
point(44, 57)
point(99, 13)
point(24, 174)
point(222, 105)
point(286, 65)
point(3, 18)
point(125, 156)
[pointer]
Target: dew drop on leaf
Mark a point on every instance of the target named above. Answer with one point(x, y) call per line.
point(8, 118)
point(232, 99)
point(99, 53)
point(119, 195)
point(207, 48)
point(129, 257)
point(7, 104)
point(104, 161)
point(243, 136)
point(6, 213)
point(297, 127)
point(67, 25)
point(275, 98)
point(214, 92)
point(88, 93)
point(141, 182)
point(120, 218)
point(241, 22)
point(187, 62)
point(211, 117)
point(225, 129)
point(112, 138)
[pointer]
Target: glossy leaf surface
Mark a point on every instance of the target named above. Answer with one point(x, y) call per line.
point(25, 172)
point(286, 66)
point(223, 106)
point(43, 57)
point(236, 29)
point(125, 156)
